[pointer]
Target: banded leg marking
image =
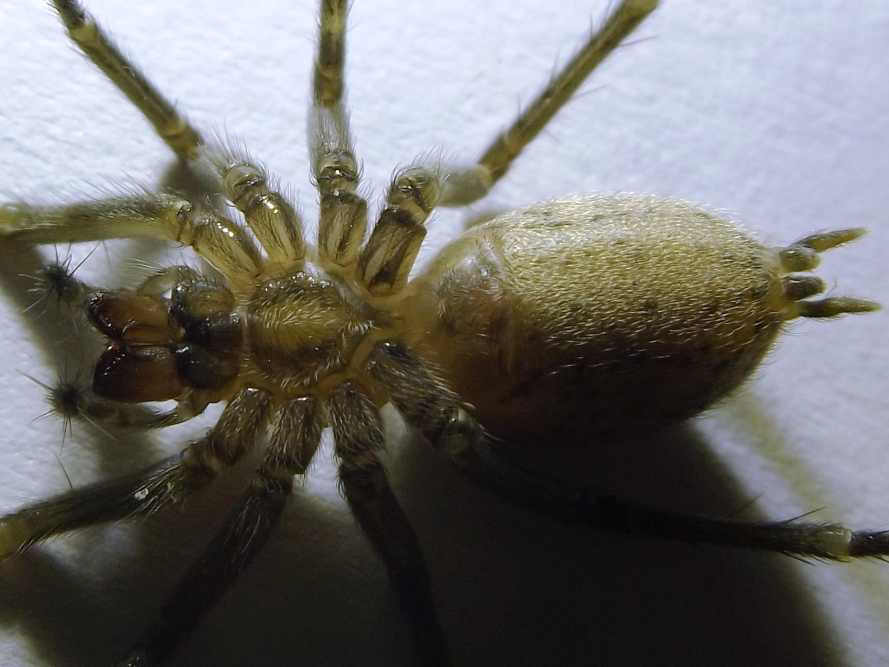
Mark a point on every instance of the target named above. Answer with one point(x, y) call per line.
point(181, 137)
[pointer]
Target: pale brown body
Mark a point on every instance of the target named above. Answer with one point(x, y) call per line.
point(607, 312)
point(589, 315)
point(597, 314)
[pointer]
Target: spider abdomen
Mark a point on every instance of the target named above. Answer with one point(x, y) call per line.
point(605, 312)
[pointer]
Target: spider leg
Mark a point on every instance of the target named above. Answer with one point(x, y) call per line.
point(343, 212)
point(463, 187)
point(426, 404)
point(181, 137)
point(143, 215)
point(58, 278)
point(436, 412)
point(794, 537)
point(294, 442)
point(145, 492)
point(270, 217)
point(358, 438)
point(386, 259)
point(222, 242)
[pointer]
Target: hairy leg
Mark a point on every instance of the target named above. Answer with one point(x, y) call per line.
point(295, 440)
point(358, 438)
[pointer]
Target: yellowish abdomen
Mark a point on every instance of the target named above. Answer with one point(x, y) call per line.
point(603, 313)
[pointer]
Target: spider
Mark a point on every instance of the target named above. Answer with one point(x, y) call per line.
point(844, 277)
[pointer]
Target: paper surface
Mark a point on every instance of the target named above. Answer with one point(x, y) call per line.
point(773, 112)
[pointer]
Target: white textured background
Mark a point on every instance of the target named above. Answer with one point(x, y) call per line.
point(774, 111)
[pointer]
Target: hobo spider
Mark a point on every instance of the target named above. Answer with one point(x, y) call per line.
point(779, 216)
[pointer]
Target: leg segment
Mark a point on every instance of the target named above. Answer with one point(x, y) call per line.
point(172, 128)
point(358, 439)
point(163, 216)
point(386, 260)
point(294, 442)
point(426, 404)
point(434, 411)
point(271, 218)
point(138, 216)
point(343, 216)
point(327, 87)
point(825, 541)
point(465, 187)
point(148, 491)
